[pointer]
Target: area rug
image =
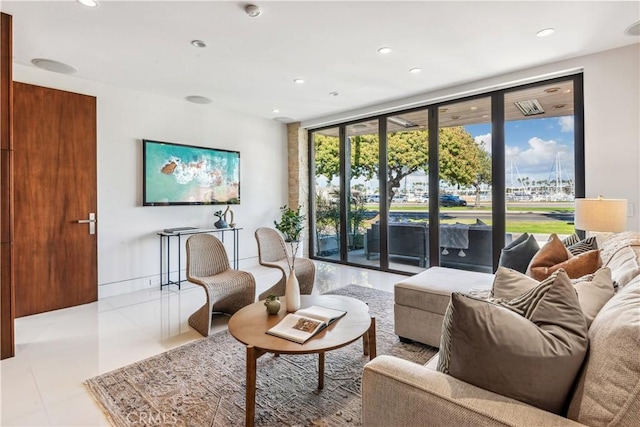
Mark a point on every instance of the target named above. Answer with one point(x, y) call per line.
point(203, 383)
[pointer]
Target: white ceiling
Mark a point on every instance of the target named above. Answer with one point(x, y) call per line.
point(250, 63)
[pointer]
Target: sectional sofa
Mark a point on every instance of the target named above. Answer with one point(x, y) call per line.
point(606, 391)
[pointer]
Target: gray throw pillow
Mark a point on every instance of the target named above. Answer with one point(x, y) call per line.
point(530, 348)
point(518, 254)
point(593, 290)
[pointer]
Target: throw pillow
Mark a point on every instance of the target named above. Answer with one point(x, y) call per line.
point(518, 254)
point(509, 284)
point(577, 246)
point(554, 256)
point(594, 290)
point(533, 357)
point(571, 240)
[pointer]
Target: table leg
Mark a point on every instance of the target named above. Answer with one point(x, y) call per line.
point(365, 343)
point(320, 370)
point(372, 339)
point(250, 405)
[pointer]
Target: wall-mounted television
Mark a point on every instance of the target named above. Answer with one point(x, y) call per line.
point(176, 174)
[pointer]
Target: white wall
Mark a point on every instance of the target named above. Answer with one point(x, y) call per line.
point(128, 247)
point(612, 117)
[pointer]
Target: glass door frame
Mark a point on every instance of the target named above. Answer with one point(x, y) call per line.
point(497, 164)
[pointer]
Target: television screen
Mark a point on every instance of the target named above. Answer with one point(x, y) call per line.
point(177, 174)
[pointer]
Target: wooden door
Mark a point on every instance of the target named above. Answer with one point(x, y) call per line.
point(54, 187)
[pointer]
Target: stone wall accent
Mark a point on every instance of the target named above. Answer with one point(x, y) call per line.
point(298, 165)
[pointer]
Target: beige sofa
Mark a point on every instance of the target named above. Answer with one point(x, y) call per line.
point(396, 392)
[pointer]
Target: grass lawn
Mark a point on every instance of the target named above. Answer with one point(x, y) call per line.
point(531, 227)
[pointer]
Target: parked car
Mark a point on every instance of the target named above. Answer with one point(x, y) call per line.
point(374, 198)
point(447, 200)
point(399, 199)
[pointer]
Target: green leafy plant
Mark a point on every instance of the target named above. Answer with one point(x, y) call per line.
point(271, 297)
point(291, 225)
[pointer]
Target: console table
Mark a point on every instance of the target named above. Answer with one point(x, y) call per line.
point(165, 245)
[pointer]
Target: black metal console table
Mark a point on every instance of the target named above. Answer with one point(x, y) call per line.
point(165, 241)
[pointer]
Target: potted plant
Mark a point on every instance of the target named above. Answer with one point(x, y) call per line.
point(220, 223)
point(291, 225)
point(272, 302)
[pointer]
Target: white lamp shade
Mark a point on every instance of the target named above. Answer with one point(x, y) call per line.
point(606, 215)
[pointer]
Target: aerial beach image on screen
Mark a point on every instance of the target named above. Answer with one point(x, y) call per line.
point(185, 174)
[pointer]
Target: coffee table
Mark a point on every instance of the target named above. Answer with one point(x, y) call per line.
point(249, 326)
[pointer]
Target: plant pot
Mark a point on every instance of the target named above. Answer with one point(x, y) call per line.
point(273, 307)
point(221, 223)
point(292, 292)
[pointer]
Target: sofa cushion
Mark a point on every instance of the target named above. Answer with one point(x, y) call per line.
point(593, 290)
point(624, 264)
point(533, 357)
point(616, 241)
point(608, 389)
point(518, 254)
point(554, 256)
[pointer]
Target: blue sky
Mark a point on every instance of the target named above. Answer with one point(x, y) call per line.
point(533, 145)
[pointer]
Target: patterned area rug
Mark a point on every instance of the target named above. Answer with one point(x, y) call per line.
point(202, 383)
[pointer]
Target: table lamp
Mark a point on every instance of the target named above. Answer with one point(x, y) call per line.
point(602, 215)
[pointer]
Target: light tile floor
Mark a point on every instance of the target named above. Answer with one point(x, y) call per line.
point(57, 351)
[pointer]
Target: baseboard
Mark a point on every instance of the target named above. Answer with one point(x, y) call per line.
point(126, 286)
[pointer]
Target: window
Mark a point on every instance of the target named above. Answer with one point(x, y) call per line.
point(503, 163)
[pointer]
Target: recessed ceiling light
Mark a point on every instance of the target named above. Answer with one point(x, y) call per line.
point(444, 110)
point(275, 111)
point(298, 81)
point(283, 119)
point(415, 70)
point(545, 32)
point(333, 94)
point(197, 99)
point(559, 106)
point(198, 43)
point(484, 116)
point(89, 3)
point(474, 108)
point(55, 66)
point(455, 117)
point(384, 50)
point(633, 29)
point(567, 91)
point(360, 126)
point(252, 10)
point(552, 89)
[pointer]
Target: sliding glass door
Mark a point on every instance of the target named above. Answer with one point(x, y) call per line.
point(451, 183)
point(465, 178)
point(540, 160)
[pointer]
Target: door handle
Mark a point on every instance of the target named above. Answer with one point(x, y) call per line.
point(91, 221)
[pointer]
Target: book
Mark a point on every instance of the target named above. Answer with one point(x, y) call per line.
point(305, 323)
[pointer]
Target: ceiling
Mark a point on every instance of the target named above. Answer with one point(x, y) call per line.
point(249, 64)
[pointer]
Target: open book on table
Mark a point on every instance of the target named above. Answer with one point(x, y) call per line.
point(305, 323)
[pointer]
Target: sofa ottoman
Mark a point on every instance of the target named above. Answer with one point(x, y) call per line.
point(421, 301)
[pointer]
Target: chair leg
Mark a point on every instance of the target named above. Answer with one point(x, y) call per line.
point(201, 320)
